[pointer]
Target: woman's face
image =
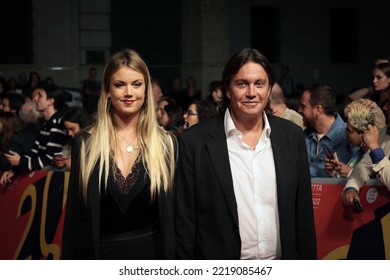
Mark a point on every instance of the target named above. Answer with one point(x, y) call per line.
point(190, 117)
point(127, 92)
point(162, 115)
point(380, 81)
point(217, 95)
point(72, 128)
point(164, 119)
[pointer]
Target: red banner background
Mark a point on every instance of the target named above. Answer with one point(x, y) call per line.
point(32, 213)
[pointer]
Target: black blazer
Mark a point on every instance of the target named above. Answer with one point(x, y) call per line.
point(81, 233)
point(207, 224)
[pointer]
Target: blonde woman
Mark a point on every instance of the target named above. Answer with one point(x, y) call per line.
point(359, 114)
point(120, 191)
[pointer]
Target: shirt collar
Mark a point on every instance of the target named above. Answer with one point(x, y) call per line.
point(230, 128)
point(334, 131)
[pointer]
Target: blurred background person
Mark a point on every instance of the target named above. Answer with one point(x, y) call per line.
point(169, 115)
point(189, 94)
point(199, 111)
point(91, 91)
point(157, 91)
point(279, 107)
point(12, 102)
point(370, 92)
point(323, 126)
point(8, 124)
point(171, 118)
point(34, 80)
point(13, 86)
point(359, 114)
point(75, 119)
point(176, 90)
point(375, 165)
point(215, 94)
point(23, 139)
point(50, 101)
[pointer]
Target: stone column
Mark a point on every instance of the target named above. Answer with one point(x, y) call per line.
point(205, 41)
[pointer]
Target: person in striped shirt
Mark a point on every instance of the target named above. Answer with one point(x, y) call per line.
point(50, 102)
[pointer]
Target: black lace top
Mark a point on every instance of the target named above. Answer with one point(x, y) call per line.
point(126, 206)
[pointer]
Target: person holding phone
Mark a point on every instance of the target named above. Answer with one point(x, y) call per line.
point(323, 126)
point(359, 114)
point(75, 119)
point(376, 164)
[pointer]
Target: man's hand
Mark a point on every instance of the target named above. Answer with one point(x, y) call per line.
point(348, 196)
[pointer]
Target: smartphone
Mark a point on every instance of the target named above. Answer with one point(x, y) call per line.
point(358, 206)
point(328, 153)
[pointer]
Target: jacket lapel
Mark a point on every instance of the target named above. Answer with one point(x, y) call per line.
point(279, 152)
point(219, 156)
point(94, 204)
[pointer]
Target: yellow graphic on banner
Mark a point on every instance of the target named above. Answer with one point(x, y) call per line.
point(385, 222)
point(29, 192)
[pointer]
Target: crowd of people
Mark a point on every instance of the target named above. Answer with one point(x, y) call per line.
point(179, 175)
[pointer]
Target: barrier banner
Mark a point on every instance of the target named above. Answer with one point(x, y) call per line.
point(32, 212)
point(344, 233)
point(31, 216)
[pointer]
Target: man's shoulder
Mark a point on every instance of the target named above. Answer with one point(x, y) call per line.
point(204, 128)
point(282, 123)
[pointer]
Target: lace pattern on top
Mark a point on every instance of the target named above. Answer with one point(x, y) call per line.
point(125, 189)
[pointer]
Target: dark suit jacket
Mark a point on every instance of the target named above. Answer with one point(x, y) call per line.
point(81, 233)
point(207, 225)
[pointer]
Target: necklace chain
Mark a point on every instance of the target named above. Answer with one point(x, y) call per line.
point(129, 148)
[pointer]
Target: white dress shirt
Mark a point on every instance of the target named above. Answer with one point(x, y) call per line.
point(254, 183)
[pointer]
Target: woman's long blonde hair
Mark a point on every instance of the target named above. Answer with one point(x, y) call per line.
point(157, 147)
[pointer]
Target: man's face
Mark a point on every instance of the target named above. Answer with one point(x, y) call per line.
point(249, 91)
point(41, 100)
point(306, 110)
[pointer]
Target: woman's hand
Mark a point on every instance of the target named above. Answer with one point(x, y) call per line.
point(13, 158)
point(6, 178)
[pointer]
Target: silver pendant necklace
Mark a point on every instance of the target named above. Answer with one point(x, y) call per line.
point(129, 149)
